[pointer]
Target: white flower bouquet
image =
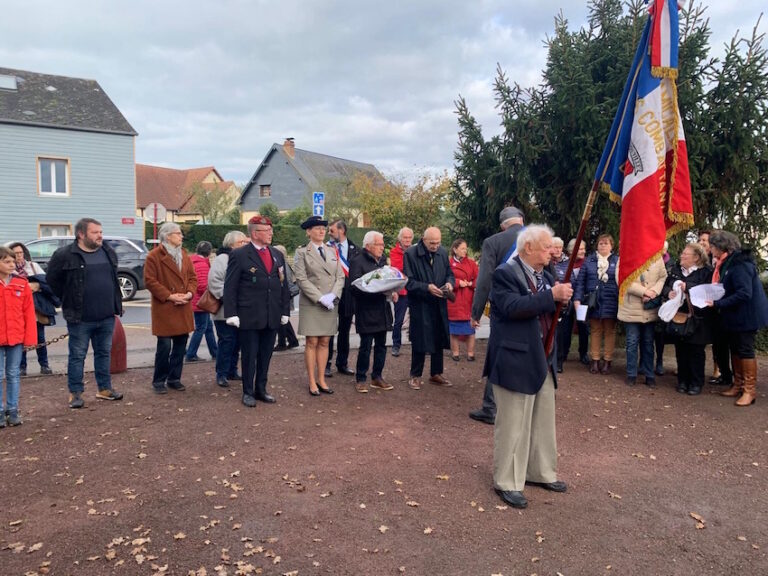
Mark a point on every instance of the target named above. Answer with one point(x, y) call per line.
point(384, 279)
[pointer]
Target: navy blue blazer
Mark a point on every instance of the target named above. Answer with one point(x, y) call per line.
point(744, 308)
point(515, 359)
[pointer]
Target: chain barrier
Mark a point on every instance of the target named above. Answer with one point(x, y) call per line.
point(47, 343)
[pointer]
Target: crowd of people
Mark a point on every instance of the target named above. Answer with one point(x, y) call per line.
point(520, 283)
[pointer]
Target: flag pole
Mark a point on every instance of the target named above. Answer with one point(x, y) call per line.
point(549, 342)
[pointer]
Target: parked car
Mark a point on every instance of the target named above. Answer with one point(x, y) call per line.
point(130, 258)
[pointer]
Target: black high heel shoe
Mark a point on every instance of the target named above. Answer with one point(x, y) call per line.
point(324, 390)
point(314, 392)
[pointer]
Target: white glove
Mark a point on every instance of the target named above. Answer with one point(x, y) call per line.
point(234, 321)
point(327, 300)
point(284, 320)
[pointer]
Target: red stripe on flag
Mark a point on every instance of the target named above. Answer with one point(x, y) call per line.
point(643, 230)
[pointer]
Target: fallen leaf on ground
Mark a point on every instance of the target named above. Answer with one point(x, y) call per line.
point(179, 536)
point(383, 528)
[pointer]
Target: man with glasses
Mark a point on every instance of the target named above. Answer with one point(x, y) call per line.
point(84, 276)
point(430, 282)
point(257, 301)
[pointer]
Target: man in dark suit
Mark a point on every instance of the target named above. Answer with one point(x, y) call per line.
point(346, 251)
point(430, 282)
point(523, 299)
point(496, 249)
point(256, 300)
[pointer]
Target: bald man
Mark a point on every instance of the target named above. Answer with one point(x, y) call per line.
point(430, 283)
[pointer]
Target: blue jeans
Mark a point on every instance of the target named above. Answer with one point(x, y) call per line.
point(203, 327)
point(401, 307)
point(10, 359)
point(640, 335)
point(229, 349)
point(99, 334)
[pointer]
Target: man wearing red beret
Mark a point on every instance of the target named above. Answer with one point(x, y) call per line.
point(256, 300)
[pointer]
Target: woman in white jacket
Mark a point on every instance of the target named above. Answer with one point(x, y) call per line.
point(639, 311)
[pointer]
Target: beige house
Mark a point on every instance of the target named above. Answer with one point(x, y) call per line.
point(178, 190)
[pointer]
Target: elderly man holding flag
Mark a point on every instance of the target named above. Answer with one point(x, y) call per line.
point(644, 166)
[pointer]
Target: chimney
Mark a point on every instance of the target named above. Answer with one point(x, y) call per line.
point(289, 147)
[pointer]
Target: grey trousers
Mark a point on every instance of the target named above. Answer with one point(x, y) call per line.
point(524, 444)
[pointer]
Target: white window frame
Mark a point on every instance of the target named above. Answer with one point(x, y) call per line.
point(54, 192)
point(42, 225)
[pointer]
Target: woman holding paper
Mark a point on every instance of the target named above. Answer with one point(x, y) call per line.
point(692, 270)
point(596, 283)
point(320, 278)
point(743, 310)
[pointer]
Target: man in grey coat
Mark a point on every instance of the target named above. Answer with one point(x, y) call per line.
point(496, 249)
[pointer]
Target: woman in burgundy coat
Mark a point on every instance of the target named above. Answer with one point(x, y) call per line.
point(459, 311)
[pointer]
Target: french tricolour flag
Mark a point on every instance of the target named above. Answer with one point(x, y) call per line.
point(644, 166)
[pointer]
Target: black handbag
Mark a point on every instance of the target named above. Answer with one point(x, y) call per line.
point(293, 289)
point(682, 325)
point(592, 299)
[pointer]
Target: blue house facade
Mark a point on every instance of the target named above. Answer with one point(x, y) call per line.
point(288, 175)
point(66, 152)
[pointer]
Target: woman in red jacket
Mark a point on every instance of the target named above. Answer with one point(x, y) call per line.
point(18, 328)
point(459, 311)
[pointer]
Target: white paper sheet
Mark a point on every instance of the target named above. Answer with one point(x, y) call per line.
point(704, 293)
point(581, 312)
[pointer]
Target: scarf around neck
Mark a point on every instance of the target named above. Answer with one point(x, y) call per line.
point(602, 267)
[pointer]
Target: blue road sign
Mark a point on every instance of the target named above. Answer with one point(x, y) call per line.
point(318, 198)
point(318, 210)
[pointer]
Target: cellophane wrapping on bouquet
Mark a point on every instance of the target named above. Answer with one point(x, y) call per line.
point(384, 279)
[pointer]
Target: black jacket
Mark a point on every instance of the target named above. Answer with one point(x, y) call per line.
point(258, 298)
point(703, 333)
point(373, 313)
point(346, 304)
point(429, 314)
point(66, 277)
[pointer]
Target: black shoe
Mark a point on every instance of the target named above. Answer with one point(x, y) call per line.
point(395, 351)
point(716, 381)
point(650, 382)
point(682, 387)
point(267, 399)
point(584, 360)
point(14, 419)
point(236, 377)
point(281, 348)
point(159, 388)
point(46, 370)
point(559, 367)
point(192, 359)
point(694, 390)
point(75, 400)
point(177, 386)
point(296, 345)
point(328, 372)
point(221, 381)
point(325, 390)
point(314, 392)
point(249, 400)
point(513, 498)
point(345, 370)
point(556, 486)
point(631, 380)
point(659, 370)
point(482, 416)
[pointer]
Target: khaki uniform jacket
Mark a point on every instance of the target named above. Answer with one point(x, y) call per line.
point(631, 308)
point(162, 278)
point(316, 277)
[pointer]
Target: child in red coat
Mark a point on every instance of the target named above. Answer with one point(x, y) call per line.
point(18, 328)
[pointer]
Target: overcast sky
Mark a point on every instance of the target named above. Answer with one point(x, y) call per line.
point(216, 83)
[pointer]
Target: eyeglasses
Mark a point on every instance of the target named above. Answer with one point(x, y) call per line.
point(262, 229)
point(179, 232)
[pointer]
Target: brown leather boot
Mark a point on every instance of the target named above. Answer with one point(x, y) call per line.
point(606, 367)
point(749, 373)
point(594, 367)
point(738, 379)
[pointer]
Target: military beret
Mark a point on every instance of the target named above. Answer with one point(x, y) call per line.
point(263, 220)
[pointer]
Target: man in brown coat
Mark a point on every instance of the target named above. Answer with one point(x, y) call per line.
point(170, 277)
